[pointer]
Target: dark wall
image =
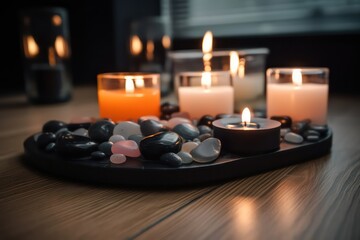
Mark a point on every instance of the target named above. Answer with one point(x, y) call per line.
point(339, 52)
point(98, 31)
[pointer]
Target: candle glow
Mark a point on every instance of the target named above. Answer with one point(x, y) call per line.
point(297, 77)
point(246, 116)
point(135, 45)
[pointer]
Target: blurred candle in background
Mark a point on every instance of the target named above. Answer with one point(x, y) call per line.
point(46, 48)
point(249, 88)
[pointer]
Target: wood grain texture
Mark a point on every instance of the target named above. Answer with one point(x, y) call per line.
point(315, 200)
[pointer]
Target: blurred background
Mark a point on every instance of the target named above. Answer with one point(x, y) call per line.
point(313, 33)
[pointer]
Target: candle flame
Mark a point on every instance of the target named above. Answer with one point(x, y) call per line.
point(139, 82)
point(234, 63)
point(150, 50)
point(61, 47)
point(206, 79)
point(129, 85)
point(241, 72)
point(30, 47)
point(166, 41)
point(56, 20)
point(51, 56)
point(246, 116)
point(297, 77)
point(135, 45)
point(207, 50)
point(207, 42)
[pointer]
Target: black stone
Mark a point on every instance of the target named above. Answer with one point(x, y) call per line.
point(105, 147)
point(61, 132)
point(165, 116)
point(75, 146)
point(204, 129)
point(50, 147)
point(322, 129)
point(44, 139)
point(285, 121)
point(98, 155)
point(136, 138)
point(153, 146)
point(171, 159)
point(187, 131)
point(312, 138)
point(101, 131)
point(169, 108)
point(206, 120)
point(74, 126)
point(150, 126)
point(310, 132)
point(53, 126)
point(300, 126)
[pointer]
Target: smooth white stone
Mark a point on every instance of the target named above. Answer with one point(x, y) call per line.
point(284, 131)
point(293, 138)
point(126, 129)
point(118, 158)
point(207, 151)
point(189, 146)
point(116, 138)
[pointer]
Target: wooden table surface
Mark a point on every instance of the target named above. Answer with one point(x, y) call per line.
point(319, 199)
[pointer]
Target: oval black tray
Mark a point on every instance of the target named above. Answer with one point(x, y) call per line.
point(151, 174)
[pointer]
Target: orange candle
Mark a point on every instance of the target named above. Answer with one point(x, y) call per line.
point(128, 96)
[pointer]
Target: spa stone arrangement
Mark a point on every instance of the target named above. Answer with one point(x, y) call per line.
point(174, 140)
point(207, 135)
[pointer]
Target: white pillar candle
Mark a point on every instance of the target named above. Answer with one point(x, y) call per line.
point(206, 98)
point(305, 97)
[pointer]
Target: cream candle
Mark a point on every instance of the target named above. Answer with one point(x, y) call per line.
point(199, 93)
point(298, 93)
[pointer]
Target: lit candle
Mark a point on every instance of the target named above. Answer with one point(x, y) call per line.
point(247, 136)
point(199, 100)
point(247, 87)
point(125, 96)
point(298, 93)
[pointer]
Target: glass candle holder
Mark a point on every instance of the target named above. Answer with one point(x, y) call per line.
point(128, 96)
point(205, 93)
point(246, 68)
point(301, 93)
point(46, 54)
point(149, 43)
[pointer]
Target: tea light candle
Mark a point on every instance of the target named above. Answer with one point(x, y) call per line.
point(247, 136)
point(199, 100)
point(298, 93)
point(125, 96)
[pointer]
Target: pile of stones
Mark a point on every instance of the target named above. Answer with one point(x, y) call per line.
point(173, 139)
point(300, 131)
